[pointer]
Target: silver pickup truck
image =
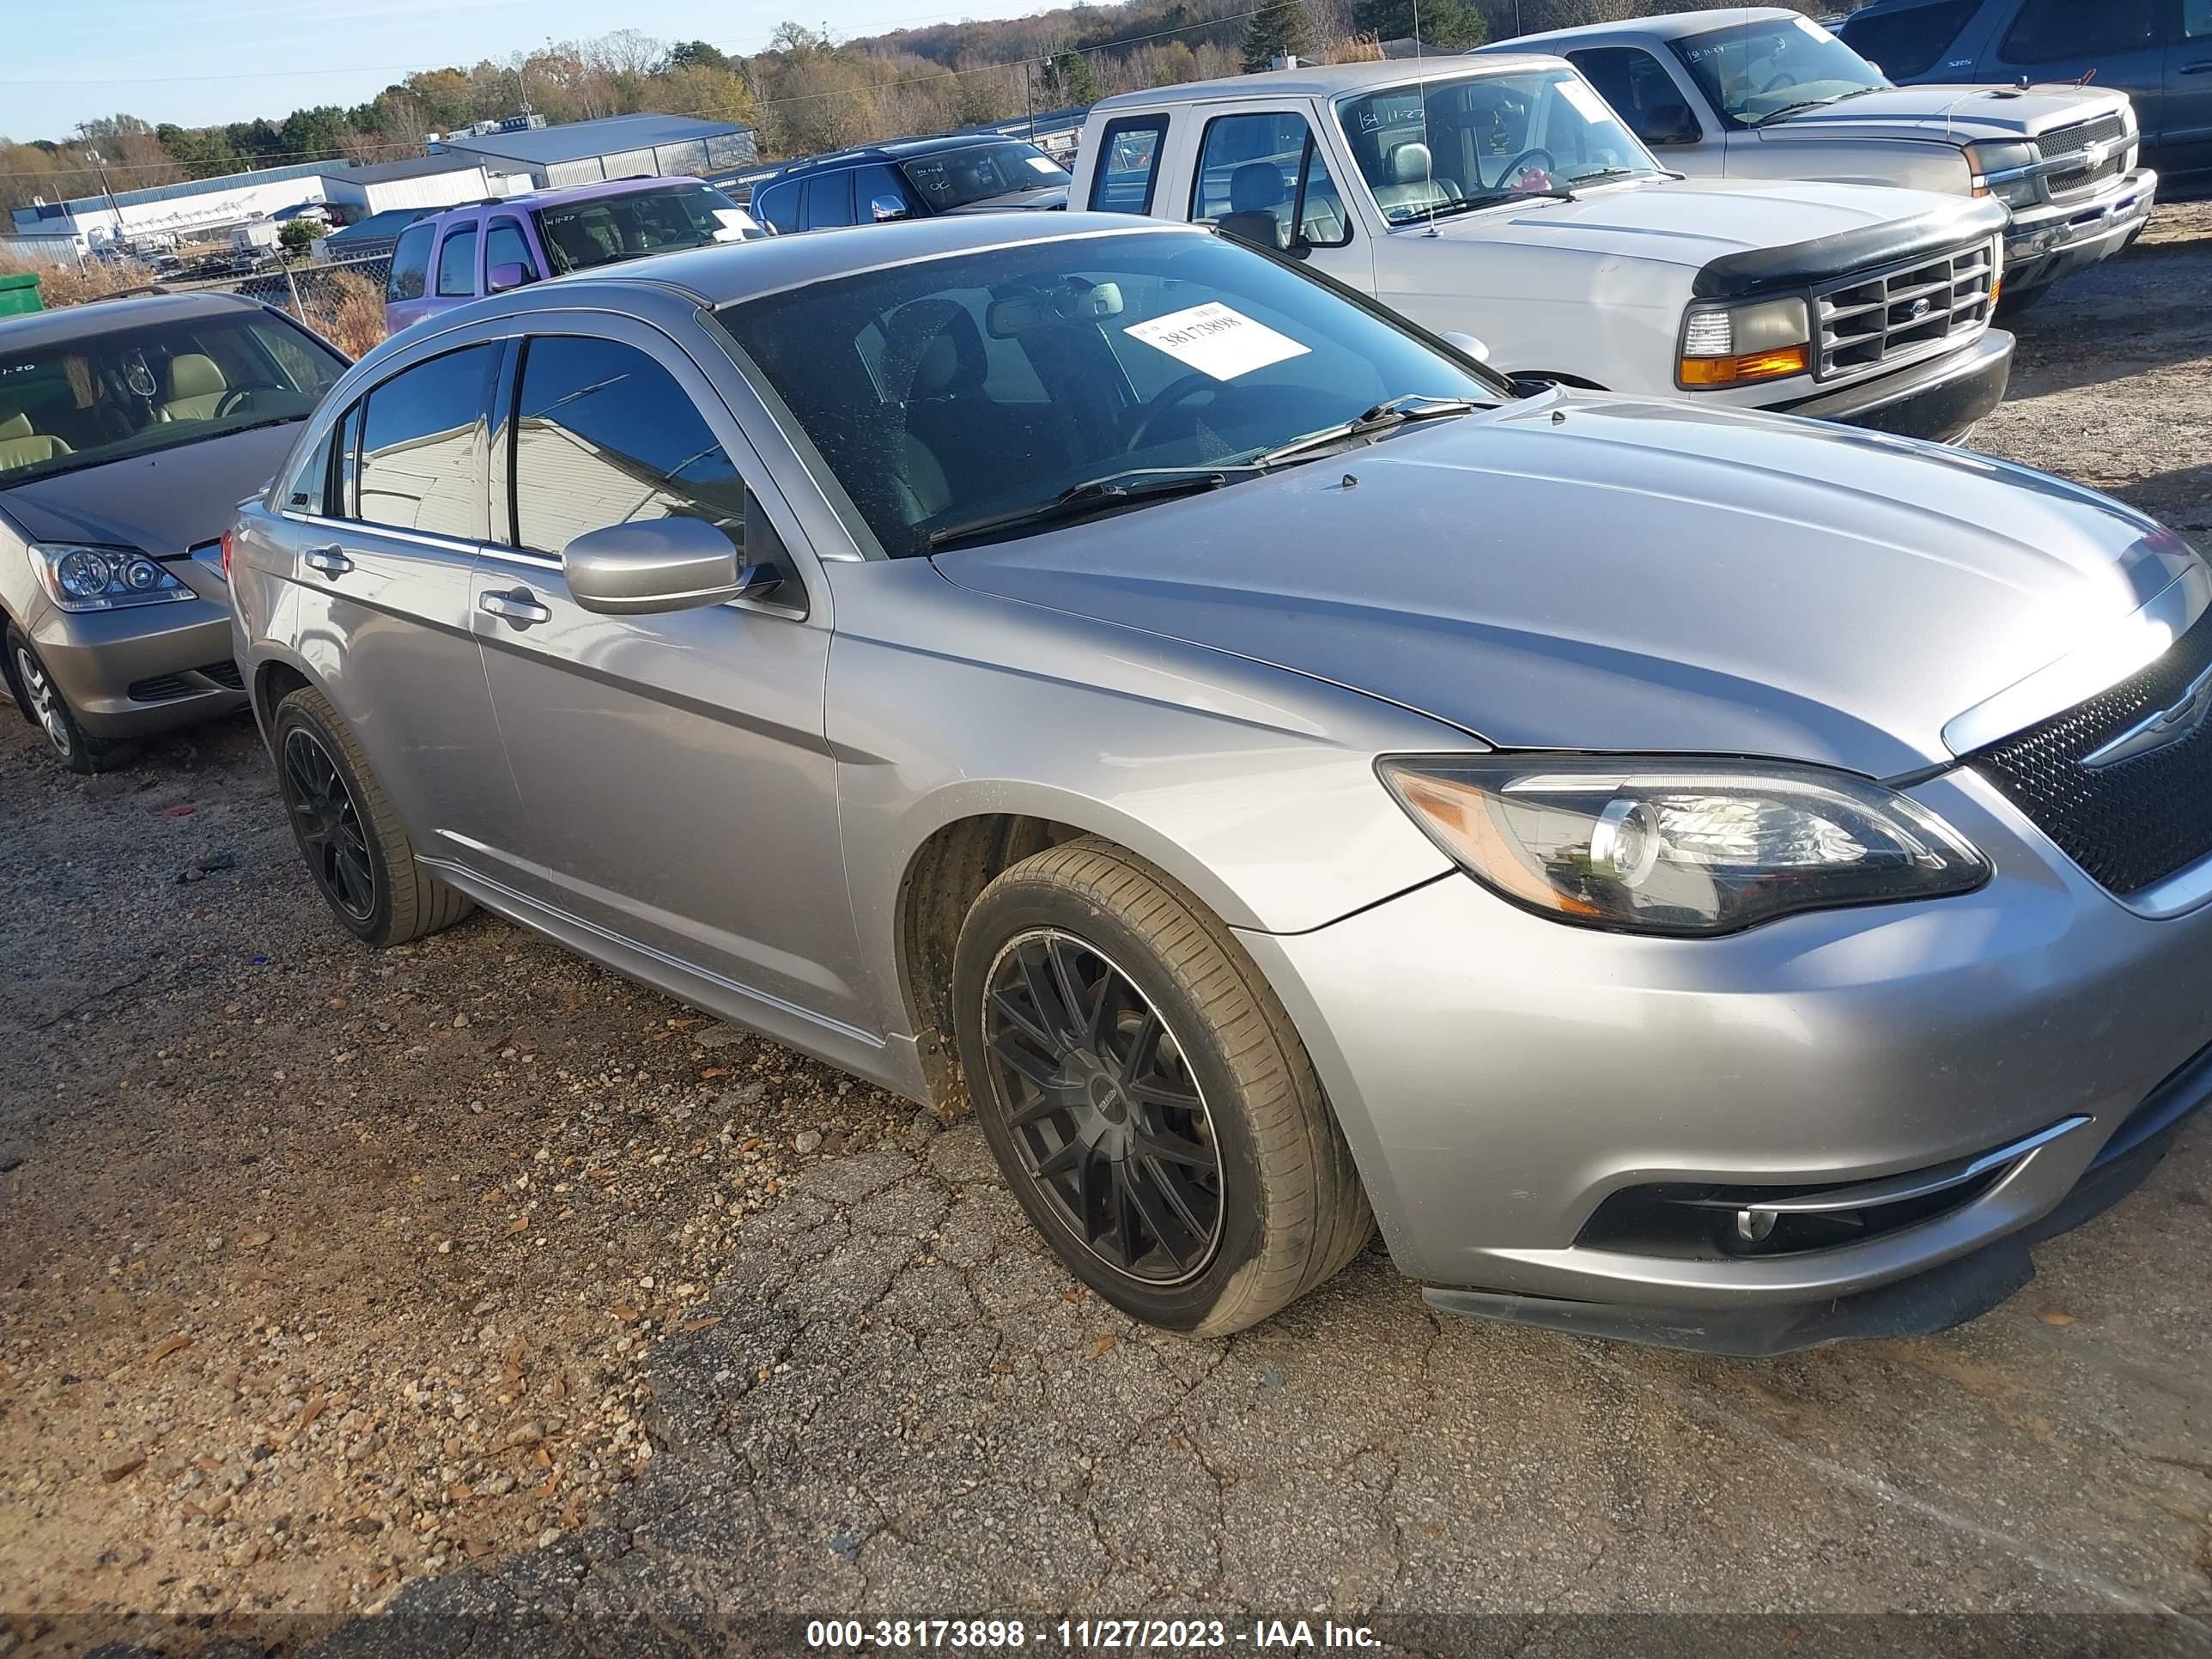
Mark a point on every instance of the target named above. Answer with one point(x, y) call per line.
point(1759, 92)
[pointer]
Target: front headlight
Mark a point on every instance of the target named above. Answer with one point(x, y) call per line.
point(1729, 345)
point(1687, 847)
point(81, 578)
point(2004, 170)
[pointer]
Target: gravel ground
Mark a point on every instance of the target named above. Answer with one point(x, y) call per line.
point(469, 1280)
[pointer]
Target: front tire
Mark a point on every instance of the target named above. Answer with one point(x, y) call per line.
point(45, 706)
point(1147, 1096)
point(354, 846)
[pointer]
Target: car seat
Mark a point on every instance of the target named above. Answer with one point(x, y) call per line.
point(195, 388)
point(1257, 195)
point(935, 365)
point(21, 446)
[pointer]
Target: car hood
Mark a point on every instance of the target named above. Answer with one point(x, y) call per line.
point(1955, 114)
point(1692, 222)
point(160, 504)
point(1580, 571)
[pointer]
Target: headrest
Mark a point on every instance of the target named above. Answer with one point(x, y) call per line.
point(932, 349)
point(1256, 187)
point(192, 375)
point(17, 425)
point(1409, 164)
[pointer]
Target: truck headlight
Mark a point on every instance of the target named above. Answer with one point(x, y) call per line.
point(1730, 345)
point(1691, 848)
point(83, 578)
point(2005, 170)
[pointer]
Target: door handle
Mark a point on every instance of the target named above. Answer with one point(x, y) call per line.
point(516, 609)
point(2204, 68)
point(330, 561)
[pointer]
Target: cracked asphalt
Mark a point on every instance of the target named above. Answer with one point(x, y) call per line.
point(882, 1398)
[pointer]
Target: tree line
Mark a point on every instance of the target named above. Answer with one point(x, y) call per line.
point(806, 92)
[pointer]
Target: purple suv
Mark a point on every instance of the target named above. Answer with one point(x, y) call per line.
point(488, 247)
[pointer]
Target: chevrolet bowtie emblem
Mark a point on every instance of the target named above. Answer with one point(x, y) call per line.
point(2167, 727)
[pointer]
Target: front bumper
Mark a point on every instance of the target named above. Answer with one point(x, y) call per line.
point(1501, 1077)
point(150, 668)
point(1941, 399)
point(2045, 243)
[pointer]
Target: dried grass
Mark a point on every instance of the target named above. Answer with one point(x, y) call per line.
point(348, 310)
point(72, 285)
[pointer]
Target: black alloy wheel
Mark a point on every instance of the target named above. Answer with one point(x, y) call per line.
point(329, 825)
point(1110, 1125)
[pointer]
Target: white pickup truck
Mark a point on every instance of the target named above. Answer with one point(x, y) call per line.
point(1498, 196)
point(1761, 93)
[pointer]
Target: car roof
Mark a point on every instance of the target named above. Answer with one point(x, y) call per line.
point(100, 316)
point(562, 195)
point(732, 272)
point(1326, 80)
point(1673, 25)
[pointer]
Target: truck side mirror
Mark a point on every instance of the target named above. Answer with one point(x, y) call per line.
point(1670, 124)
point(502, 277)
point(885, 208)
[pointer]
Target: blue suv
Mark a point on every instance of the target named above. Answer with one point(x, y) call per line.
point(913, 178)
point(2157, 51)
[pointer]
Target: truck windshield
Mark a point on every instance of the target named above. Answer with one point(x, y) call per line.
point(1430, 148)
point(956, 178)
point(1753, 72)
point(601, 230)
point(106, 396)
point(994, 393)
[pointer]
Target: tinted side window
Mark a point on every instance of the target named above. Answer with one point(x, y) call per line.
point(829, 201)
point(603, 435)
point(506, 245)
point(1129, 164)
point(2052, 31)
point(457, 264)
point(778, 206)
point(2197, 20)
point(411, 263)
point(1631, 80)
point(1904, 44)
point(423, 449)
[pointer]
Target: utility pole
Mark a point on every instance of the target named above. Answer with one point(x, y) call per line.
point(99, 162)
point(1029, 101)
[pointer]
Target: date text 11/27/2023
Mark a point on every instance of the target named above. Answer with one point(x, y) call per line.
point(1001, 1635)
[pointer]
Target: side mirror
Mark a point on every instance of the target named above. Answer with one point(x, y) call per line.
point(1468, 343)
point(656, 564)
point(883, 208)
point(1670, 124)
point(500, 278)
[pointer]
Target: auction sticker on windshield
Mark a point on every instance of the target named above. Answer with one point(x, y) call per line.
point(1215, 340)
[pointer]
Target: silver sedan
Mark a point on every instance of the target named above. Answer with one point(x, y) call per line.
point(1715, 879)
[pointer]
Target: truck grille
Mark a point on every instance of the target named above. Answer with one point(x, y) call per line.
point(2132, 824)
point(2066, 180)
point(2072, 141)
point(1906, 310)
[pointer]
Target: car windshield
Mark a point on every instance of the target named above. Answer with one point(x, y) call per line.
point(1429, 150)
point(604, 229)
point(955, 178)
point(107, 395)
point(949, 391)
point(1752, 72)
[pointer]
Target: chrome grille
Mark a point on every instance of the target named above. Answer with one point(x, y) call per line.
point(2072, 141)
point(1905, 311)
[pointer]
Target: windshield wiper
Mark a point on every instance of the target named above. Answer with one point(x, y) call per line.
point(1811, 103)
point(1487, 198)
point(1606, 172)
point(1144, 483)
point(1391, 413)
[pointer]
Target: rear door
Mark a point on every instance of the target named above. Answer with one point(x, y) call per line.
point(385, 529)
point(2185, 137)
point(407, 288)
point(2105, 43)
point(453, 270)
point(678, 791)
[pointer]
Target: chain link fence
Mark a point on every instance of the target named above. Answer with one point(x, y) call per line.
point(342, 300)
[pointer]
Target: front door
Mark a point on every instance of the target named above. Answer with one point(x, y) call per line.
point(677, 788)
point(1262, 175)
point(385, 534)
point(2184, 138)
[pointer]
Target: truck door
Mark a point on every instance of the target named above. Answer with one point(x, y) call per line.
point(1262, 175)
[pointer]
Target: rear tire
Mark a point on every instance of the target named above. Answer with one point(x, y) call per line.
point(1146, 1095)
point(45, 706)
point(354, 846)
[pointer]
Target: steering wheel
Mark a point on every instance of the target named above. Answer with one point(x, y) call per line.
point(1527, 158)
point(237, 394)
point(1175, 392)
point(1782, 78)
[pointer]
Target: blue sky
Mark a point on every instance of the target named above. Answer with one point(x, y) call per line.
point(199, 61)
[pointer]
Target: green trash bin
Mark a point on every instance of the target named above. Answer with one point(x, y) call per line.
point(18, 294)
